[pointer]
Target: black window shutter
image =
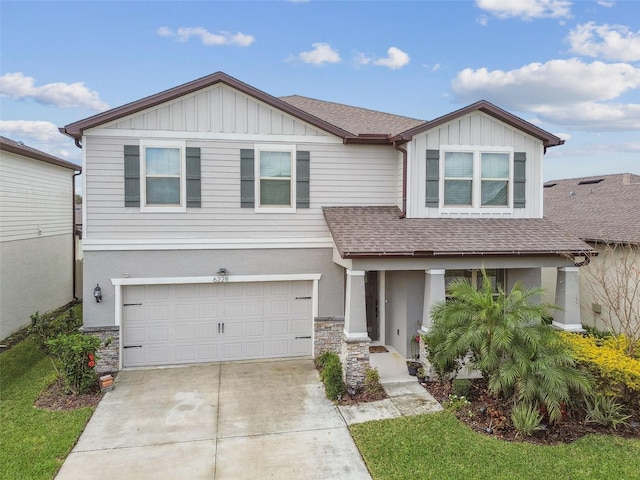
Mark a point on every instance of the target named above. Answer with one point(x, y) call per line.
point(131, 176)
point(433, 178)
point(302, 179)
point(247, 178)
point(193, 177)
point(519, 179)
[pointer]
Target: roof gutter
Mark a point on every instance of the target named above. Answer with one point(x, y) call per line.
point(403, 151)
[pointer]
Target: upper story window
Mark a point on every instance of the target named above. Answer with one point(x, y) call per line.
point(163, 178)
point(275, 189)
point(477, 179)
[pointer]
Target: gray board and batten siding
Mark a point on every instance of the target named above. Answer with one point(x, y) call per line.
point(476, 130)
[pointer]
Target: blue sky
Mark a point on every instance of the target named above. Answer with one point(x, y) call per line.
point(570, 67)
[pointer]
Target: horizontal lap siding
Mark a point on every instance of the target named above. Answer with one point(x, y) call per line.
point(34, 195)
point(340, 175)
point(481, 130)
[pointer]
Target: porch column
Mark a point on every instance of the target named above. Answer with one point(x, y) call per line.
point(355, 341)
point(568, 299)
point(355, 312)
point(433, 293)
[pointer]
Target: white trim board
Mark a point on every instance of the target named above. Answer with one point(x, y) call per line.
point(213, 244)
point(238, 137)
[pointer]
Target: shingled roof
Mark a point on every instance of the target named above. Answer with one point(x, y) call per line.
point(603, 208)
point(20, 148)
point(380, 232)
point(358, 121)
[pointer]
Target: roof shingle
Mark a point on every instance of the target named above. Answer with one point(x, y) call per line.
point(379, 231)
point(598, 211)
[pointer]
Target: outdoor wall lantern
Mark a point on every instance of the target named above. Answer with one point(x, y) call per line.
point(223, 272)
point(97, 292)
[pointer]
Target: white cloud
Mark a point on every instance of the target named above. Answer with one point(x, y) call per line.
point(483, 20)
point(606, 3)
point(222, 38)
point(566, 92)
point(361, 59)
point(65, 95)
point(43, 136)
point(320, 54)
point(611, 42)
point(395, 59)
point(526, 9)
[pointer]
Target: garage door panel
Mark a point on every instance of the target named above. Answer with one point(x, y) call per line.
point(232, 309)
point(215, 322)
point(255, 329)
point(300, 346)
point(158, 334)
point(157, 292)
point(208, 311)
point(207, 332)
point(255, 350)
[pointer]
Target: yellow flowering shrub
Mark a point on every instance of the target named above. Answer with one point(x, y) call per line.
point(607, 361)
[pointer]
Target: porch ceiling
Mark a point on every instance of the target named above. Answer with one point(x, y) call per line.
point(373, 232)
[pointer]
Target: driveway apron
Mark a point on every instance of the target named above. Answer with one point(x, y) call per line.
point(225, 421)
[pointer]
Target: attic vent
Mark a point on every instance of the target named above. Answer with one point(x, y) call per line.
point(549, 185)
point(591, 182)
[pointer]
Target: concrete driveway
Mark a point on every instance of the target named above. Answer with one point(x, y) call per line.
point(226, 421)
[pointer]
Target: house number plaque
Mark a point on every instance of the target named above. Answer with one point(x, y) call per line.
point(220, 279)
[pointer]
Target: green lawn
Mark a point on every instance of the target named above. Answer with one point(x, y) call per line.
point(438, 446)
point(34, 442)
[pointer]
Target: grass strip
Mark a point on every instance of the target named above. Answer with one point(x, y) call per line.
point(438, 446)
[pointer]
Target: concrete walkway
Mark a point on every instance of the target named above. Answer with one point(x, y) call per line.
point(227, 421)
point(406, 396)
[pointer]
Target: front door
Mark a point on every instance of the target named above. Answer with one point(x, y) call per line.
point(371, 297)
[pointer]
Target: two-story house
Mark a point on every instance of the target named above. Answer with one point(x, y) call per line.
point(222, 223)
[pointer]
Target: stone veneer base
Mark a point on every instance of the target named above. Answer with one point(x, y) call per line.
point(109, 350)
point(355, 362)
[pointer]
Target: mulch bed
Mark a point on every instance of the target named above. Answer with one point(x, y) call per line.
point(492, 417)
point(363, 397)
point(55, 397)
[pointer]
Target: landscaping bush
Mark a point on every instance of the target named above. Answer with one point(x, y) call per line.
point(526, 418)
point(75, 356)
point(615, 372)
point(332, 377)
point(504, 336)
point(461, 387)
point(605, 411)
point(321, 360)
point(45, 327)
point(372, 381)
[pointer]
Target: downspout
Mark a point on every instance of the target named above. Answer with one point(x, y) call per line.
point(73, 229)
point(396, 145)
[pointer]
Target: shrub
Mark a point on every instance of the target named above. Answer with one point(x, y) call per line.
point(526, 418)
point(461, 387)
point(615, 371)
point(321, 360)
point(45, 327)
point(372, 381)
point(504, 336)
point(76, 356)
point(332, 377)
point(605, 411)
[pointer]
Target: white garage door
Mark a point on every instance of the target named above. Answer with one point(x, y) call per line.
point(175, 324)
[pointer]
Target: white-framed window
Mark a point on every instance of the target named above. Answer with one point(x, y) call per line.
point(476, 179)
point(275, 182)
point(162, 176)
point(497, 278)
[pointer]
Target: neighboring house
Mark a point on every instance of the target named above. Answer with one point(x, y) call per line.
point(604, 211)
point(222, 223)
point(36, 233)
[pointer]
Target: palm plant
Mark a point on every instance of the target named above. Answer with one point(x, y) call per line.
point(504, 336)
